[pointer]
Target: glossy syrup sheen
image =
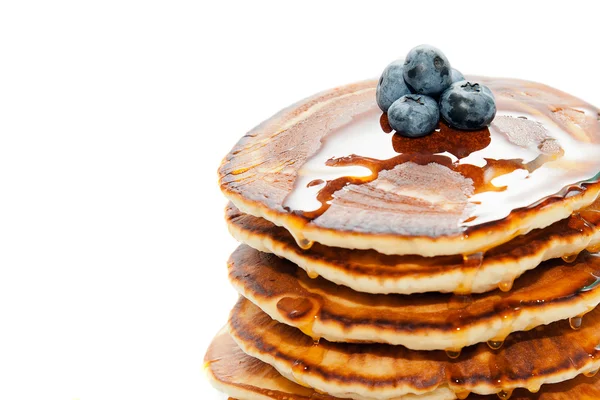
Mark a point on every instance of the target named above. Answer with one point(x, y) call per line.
point(533, 152)
point(583, 225)
point(302, 301)
point(237, 372)
point(528, 359)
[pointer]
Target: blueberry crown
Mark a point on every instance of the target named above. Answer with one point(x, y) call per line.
point(471, 87)
point(416, 91)
point(413, 98)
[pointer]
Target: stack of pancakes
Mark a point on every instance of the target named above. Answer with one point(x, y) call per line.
point(373, 266)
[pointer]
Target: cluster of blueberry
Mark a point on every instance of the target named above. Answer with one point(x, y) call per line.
point(414, 92)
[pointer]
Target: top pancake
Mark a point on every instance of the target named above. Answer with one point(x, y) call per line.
point(326, 170)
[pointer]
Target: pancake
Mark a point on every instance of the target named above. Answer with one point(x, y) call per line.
point(233, 372)
point(243, 377)
point(552, 292)
point(371, 272)
point(327, 171)
point(549, 354)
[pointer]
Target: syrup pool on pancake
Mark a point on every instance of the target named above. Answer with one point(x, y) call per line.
point(511, 165)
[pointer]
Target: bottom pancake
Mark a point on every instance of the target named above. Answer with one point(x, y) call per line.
point(238, 375)
point(547, 354)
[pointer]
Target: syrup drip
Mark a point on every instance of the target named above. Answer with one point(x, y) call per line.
point(508, 310)
point(504, 394)
point(295, 230)
point(462, 394)
point(575, 322)
point(533, 389)
point(505, 286)
point(307, 328)
point(303, 311)
point(577, 221)
point(591, 373)
point(312, 274)
point(305, 244)
point(314, 356)
point(460, 304)
point(462, 299)
point(472, 264)
point(453, 354)
point(495, 344)
point(570, 258)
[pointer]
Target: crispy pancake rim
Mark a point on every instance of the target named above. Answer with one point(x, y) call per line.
point(236, 182)
point(235, 373)
point(555, 291)
point(549, 354)
point(371, 272)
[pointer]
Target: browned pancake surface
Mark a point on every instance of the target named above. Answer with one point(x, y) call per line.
point(419, 197)
point(234, 371)
point(556, 290)
point(353, 267)
point(553, 353)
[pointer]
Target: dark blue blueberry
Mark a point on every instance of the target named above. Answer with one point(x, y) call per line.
point(414, 115)
point(456, 75)
point(391, 85)
point(427, 71)
point(468, 106)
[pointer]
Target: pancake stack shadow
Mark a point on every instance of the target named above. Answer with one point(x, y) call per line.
point(516, 317)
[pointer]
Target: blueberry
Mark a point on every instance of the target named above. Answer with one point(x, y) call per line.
point(414, 115)
point(427, 71)
point(456, 75)
point(391, 85)
point(468, 106)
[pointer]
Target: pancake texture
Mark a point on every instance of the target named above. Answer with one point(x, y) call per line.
point(233, 372)
point(556, 291)
point(549, 354)
point(327, 171)
point(371, 272)
point(373, 266)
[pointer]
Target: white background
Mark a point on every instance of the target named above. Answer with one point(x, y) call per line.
point(114, 116)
